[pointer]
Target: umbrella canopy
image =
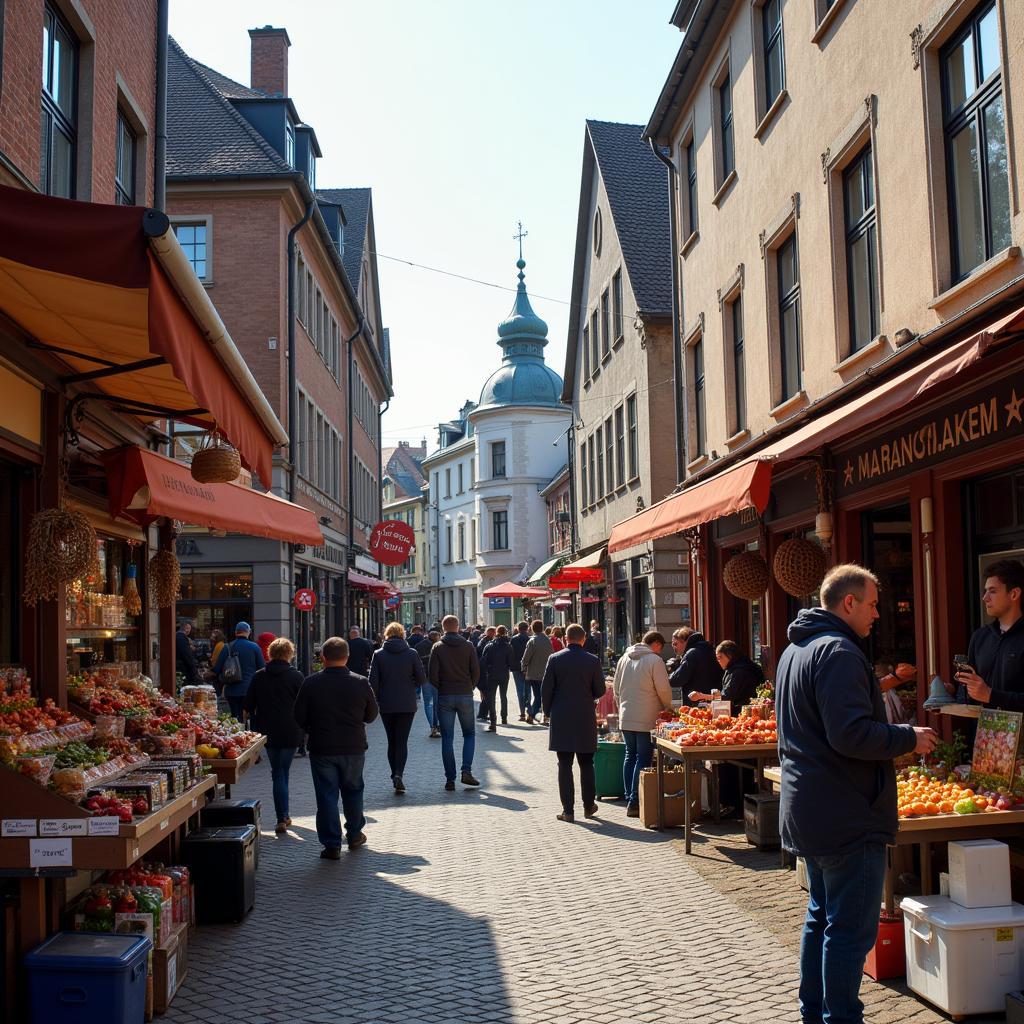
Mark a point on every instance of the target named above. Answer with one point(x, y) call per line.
point(511, 589)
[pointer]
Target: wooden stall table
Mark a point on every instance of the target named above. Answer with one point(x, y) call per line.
point(229, 770)
point(688, 756)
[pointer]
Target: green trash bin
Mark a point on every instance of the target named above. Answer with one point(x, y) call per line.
point(608, 768)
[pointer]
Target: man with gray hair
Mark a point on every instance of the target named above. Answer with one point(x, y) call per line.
point(838, 794)
point(360, 651)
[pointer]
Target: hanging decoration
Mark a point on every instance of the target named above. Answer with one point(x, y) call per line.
point(165, 578)
point(746, 575)
point(61, 549)
point(799, 566)
point(216, 461)
point(130, 591)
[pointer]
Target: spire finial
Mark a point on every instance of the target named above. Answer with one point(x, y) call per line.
point(519, 236)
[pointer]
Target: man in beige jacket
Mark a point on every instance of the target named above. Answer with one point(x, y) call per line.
point(642, 690)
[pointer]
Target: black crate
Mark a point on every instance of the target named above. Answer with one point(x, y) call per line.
point(761, 820)
point(222, 862)
point(233, 812)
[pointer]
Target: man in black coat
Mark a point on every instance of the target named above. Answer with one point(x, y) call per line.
point(838, 794)
point(184, 653)
point(573, 681)
point(360, 651)
point(484, 686)
point(520, 638)
point(698, 668)
point(496, 664)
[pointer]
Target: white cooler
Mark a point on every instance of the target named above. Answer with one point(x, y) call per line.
point(963, 960)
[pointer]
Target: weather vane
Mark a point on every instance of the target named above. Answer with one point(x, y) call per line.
point(520, 236)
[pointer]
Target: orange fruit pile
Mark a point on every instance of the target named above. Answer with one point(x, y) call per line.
point(918, 794)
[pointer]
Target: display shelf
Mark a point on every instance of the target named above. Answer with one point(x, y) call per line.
point(230, 770)
point(102, 632)
point(961, 710)
point(720, 752)
point(956, 822)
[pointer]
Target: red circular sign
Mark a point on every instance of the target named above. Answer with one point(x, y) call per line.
point(304, 600)
point(391, 541)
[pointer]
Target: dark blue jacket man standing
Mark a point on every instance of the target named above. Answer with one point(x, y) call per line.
point(838, 795)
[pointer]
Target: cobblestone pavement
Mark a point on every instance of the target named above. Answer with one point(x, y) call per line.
point(479, 906)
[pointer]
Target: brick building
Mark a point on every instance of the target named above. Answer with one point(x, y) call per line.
point(291, 269)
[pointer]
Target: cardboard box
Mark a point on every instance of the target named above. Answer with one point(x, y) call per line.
point(170, 965)
point(979, 873)
point(675, 810)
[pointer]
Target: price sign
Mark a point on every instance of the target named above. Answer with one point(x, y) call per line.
point(63, 826)
point(45, 853)
point(305, 599)
point(105, 825)
point(18, 827)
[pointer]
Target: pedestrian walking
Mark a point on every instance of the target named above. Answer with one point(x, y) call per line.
point(334, 707)
point(594, 643)
point(697, 668)
point(496, 665)
point(265, 640)
point(643, 692)
point(573, 681)
point(360, 652)
point(534, 663)
point(520, 638)
point(185, 654)
point(838, 792)
point(455, 670)
point(270, 701)
point(486, 694)
point(237, 663)
point(395, 672)
point(429, 690)
point(557, 643)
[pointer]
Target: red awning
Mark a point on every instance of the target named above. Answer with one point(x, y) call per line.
point(378, 587)
point(84, 282)
point(515, 590)
point(145, 486)
point(746, 486)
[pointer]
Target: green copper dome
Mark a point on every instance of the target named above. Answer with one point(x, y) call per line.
point(523, 377)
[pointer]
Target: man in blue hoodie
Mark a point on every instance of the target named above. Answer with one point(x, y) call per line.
point(838, 803)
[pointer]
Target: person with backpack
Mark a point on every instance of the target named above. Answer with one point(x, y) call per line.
point(238, 662)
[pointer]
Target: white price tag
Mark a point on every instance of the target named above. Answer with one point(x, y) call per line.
point(164, 823)
point(105, 825)
point(45, 853)
point(63, 826)
point(721, 708)
point(18, 827)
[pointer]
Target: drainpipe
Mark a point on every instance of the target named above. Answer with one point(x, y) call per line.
point(571, 461)
point(349, 342)
point(677, 355)
point(160, 133)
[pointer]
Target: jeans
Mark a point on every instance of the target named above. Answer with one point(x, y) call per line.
point(429, 691)
point(397, 726)
point(503, 692)
point(448, 708)
point(521, 692)
point(535, 689)
point(488, 707)
point(280, 763)
point(335, 774)
point(639, 754)
point(235, 703)
point(840, 928)
point(588, 783)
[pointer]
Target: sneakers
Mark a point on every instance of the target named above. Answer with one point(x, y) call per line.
point(492, 728)
point(565, 816)
point(591, 811)
point(468, 779)
point(449, 785)
point(331, 853)
point(354, 842)
point(398, 783)
point(632, 810)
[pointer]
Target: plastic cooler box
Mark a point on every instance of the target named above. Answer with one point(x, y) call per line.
point(88, 978)
point(608, 769)
point(222, 862)
point(964, 960)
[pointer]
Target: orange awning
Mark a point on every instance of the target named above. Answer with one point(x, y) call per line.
point(83, 281)
point(746, 486)
point(145, 486)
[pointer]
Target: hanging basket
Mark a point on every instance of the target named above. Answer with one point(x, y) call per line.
point(217, 463)
point(746, 575)
point(799, 566)
point(61, 548)
point(164, 578)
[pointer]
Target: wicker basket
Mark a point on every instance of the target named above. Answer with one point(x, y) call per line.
point(217, 464)
point(799, 566)
point(746, 575)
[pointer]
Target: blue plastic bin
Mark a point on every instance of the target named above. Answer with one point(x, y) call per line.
point(88, 978)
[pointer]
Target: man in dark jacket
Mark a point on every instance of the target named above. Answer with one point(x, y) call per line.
point(454, 669)
point(429, 690)
point(496, 664)
point(838, 804)
point(333, 707)
point(360, 651)
point(534, 663)
point(483, 685)
point(996, 651)
point(740, 677)
point(698, 669)
point(573, 681)
point(184, 654)
point(594, 644)
point(520, 638)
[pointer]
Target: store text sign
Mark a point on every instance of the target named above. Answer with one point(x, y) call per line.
point(48, 853)
point(63, 826)
point(391, 541)
point(985, 416)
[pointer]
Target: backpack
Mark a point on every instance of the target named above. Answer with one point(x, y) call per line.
point(232, 670)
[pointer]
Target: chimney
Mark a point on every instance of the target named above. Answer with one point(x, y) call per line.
point(268, 66)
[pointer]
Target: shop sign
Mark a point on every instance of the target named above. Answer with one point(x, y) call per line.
point(984, 416)
point(391, 541)
point(499, 602)
point(305, 599)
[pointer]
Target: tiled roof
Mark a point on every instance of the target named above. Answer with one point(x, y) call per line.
point(356, 204)
point(635, 180)
point(228, 87)
point(402, 466)
point(205, 134)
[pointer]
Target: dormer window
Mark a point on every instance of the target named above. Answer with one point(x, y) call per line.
point(311, 173)
point(289, 144)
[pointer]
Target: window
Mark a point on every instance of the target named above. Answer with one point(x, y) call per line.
point(597, 232)
point(192, 239)
point(500, 533)
point(448, 538)
point(617, 325)
point(609, 457)
point(789, 316)
point(462, 541)
point(861, 265)
point(690, 157)
point(975, 137)
point(124, 177)
point(472, 472)
point(591, 474)
point(289, 144)
point(620, 447)
point(595, 343)
point(774, 58)
point(462, 486)
point(739, 371)
point(631, 426)
point(497, 458)
point(59, 113)
point(599, 481)
point(584, 490)
point(472, 538)
point(606, 339)
point(448, 482)
point(699, 446)
point(726, 145)
point(586, 353)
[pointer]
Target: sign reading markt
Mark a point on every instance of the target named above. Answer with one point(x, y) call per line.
point(982, 417)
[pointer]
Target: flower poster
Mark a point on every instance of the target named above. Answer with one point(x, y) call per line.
point(995, 748)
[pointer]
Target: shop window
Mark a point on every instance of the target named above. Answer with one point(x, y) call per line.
point(889, 554)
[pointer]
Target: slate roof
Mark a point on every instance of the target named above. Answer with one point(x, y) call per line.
point(356, 204)
point(635, 180)
point(228, 86)
point(402, 466)
point(205, 134)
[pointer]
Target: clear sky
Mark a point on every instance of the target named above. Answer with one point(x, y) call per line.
point(464, 116)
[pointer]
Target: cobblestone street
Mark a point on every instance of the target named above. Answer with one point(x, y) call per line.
point(480, 906)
